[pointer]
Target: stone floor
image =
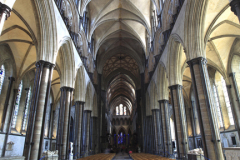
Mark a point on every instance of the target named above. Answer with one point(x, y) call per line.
point(122, 156)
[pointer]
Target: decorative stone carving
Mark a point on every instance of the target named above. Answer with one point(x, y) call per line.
point(232, 153)
point(51, 155)
point(197, 151)
point(5, 9)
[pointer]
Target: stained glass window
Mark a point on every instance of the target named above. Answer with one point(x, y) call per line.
point(26, 110)
point(2, 75)
point(227, 101)
point(125, 111)
point(16, 108)
point(117, 111)
point(121, 109)
point(218, 106)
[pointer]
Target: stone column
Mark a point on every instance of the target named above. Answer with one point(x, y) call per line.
point(86, 135)
point(8, 124)
point(157, 125)
point(167, 143)
point(42, 83)
point(63, 128)
point(11, 79)
point(179, 120)
point(76, 127)
point(235, 7)
point(80, 126)
point(99, 111)
point(205, 109)
point(4, 14)
point(233, 98)
point(143, 108)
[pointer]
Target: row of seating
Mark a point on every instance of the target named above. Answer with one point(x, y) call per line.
point(101, 156)
point(145, 156)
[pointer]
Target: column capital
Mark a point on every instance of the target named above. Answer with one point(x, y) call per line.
point(11, 78)
point(45, 64)
point(87, 111)
point(79, 102)
point(199, 60)
point(5, 9)
point(65, 88)
point(177, 86)
point(163, 101)
point(232, 74)
point(234, 4)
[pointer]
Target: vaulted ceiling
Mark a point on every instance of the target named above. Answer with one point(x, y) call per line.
point(120, 29)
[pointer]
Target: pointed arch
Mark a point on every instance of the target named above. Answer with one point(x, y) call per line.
point(80, 89)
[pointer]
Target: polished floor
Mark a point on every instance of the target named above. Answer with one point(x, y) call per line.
point(145, 156)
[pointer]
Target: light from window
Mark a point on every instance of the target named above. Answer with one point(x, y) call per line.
point(17, 105)
point(26, 110)
point(121, 109)
point(2, 75)
point(125, 111)
point(218, 106)
point(227, 101)
point(117, 111)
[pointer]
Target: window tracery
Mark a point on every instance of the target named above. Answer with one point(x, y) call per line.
point(218, 106)
point(16, 108)
point(2, 75)
point(227, 101)
point(26, 109)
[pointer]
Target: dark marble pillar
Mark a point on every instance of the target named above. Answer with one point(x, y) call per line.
point(206, 109)
point(64, 123)
point(179, 120)
point(86, 132)
point(157, 124)
point(40, 94)
point(11, 79)
point(166, 129)
point(235, 7)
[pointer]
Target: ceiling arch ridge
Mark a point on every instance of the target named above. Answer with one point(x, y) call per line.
point(83, 6)
point(227, 22)
point(116, 72)
point(218, 55)
point(231, 55)
point(16, 27)
point(33, 37)
point(101, 19)
point(113, 98)
point(114, 20)
point(217, 68)
point(224, 36)
point(122, 92)
point(137, 59)
point(125, 77)
point(25, 57)
point(114, 30)
point(100, 43)
point(209, 30)
point(120, 96)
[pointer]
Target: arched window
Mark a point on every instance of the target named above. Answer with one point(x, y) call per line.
point(16, 108)
point(117, 111)
point(227, 101)
point(218, 106)
point(121, 109)
point(125, 111)
point(2, 75)
point(25, 115)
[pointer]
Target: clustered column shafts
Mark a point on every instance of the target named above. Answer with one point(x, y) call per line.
point(5, 12)
point(166, 130)
point(86, 132)
point(11, 80)
point(206, 109)
point(64, 123)
point(34, 135)
point(8, 124)
point(157, 128)
point(179, 120)
point(79, 107)
point(234, 101)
